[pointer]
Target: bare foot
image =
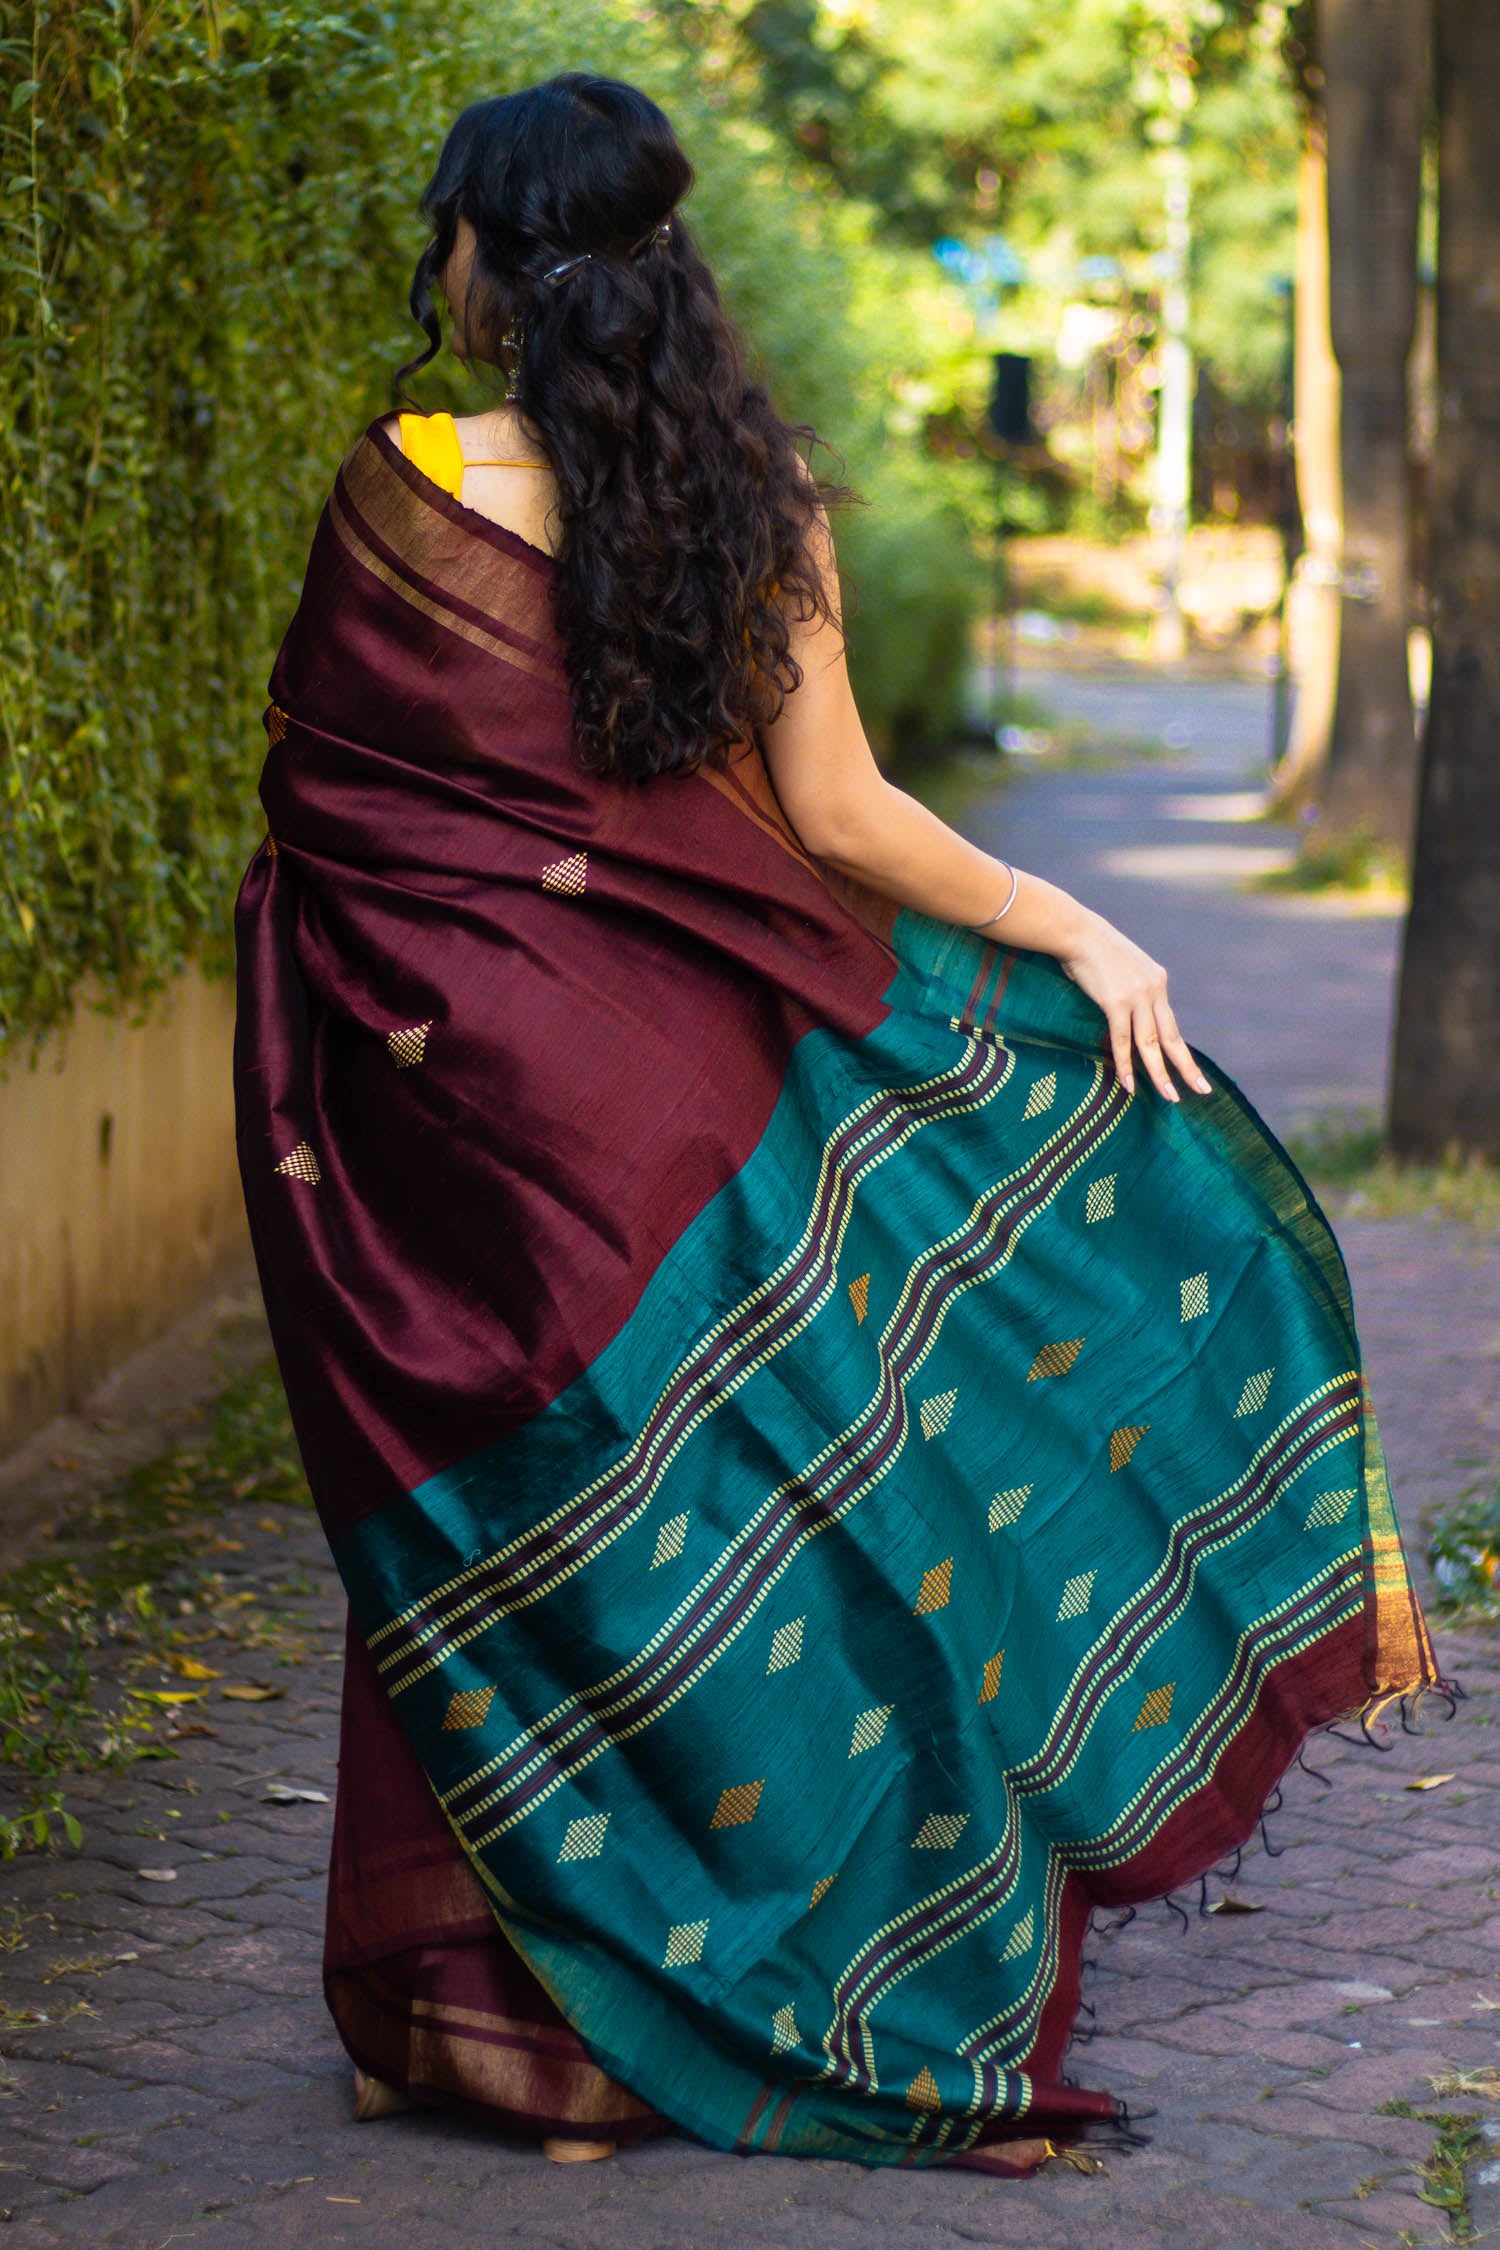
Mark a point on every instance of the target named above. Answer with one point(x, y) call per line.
point(577, 2152)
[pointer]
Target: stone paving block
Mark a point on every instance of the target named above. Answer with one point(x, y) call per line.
point(1201, 2220)
point(1450, 1863)
point(166, 2062)
point(1300, 2050)
point(107, 2111)
point(83, 2170)
point(271, 1909)
point(143, 2212)
point(1366, 2081)
point(1279, 2177)
point(1401, 2218)
point(1114, 2060)
point(1205, 2032)
point(1302, 2117)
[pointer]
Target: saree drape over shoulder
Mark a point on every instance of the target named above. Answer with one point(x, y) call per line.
point(830, 1488)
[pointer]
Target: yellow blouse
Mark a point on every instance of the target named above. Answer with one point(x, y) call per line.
point(430, 443)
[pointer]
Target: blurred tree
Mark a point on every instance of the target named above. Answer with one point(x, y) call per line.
point(1374, 56)
point(1446, 1086)
point(1313, 597)
point(207, 223)
point(1046, 124)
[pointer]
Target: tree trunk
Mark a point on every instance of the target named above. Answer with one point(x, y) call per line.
point(1375, 63)
point(1312, 597)
point(1446, 1090)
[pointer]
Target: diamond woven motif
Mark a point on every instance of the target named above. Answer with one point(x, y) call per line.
point(1253, 1397)
point(923, 2092)
point(468, 1708)
point(1055, 1359)
point(939, 1831)
point(276, 723)
point(669, 1540)
point(1006, 1506)
point(869, 1727)
point(1195, 1296)
point(1329, 1507)
point(786, 1645)
point(859, 1297)
point(585, 1838)
point(568, 875)
point(989, 1686)
point(1122, 1443)
point(1075, 1595)
point(1019, 1941)
point(684, 1944)
point(301, 1165)
point(1040, 1097)
point(1157, 1708)
point(738, 1805)
point(937, 1588)
point(823, 1883)
point(936, 1413)
point(409, 1046)
point(784, 2032)
point(1099, 1203)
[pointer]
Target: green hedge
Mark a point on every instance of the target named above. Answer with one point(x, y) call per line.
point(205, 235)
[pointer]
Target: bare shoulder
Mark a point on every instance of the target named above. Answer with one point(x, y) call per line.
point(500, 431)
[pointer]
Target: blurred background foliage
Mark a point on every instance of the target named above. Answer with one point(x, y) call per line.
point(207, 223)
point(208, 231)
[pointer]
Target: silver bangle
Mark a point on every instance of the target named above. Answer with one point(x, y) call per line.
point(1005, 909)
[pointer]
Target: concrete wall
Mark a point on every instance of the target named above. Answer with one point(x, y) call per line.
point(119, 1195)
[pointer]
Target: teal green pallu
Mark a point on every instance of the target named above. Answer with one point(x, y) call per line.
point(977, 1509)
point(835, 1489)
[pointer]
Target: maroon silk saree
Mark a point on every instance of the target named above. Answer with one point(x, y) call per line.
point(830, 1488)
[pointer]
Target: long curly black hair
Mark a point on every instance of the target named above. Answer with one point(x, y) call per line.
point(687, 516)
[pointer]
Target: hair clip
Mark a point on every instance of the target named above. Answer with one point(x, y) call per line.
point(557, 274)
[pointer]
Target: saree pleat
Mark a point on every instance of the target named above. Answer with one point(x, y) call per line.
point(426, 1992)
point(830, 1488)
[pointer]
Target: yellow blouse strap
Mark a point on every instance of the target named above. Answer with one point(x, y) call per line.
point(430, 443)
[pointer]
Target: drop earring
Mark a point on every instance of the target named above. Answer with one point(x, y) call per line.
point(510, 345)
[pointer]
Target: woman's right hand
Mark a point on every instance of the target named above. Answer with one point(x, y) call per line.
point(1131, 988)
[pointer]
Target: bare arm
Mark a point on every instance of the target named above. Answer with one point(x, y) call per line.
point(847, 813)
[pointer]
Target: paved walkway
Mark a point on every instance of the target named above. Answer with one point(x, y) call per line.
point(186, 2086)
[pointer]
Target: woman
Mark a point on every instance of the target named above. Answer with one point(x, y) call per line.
point(838, 1468)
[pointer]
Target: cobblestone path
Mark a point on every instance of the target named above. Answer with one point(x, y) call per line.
point(182, 2084)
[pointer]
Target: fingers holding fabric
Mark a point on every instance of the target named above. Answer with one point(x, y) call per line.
point(1177, 1050)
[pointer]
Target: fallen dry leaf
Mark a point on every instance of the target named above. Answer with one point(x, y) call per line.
point(286, 1793)
point(85, 1965)
point(1483, 2084)
point(1483, 2000)
point(252, 1694)
point(1428, 1781)
point(169, 1694)
point(192, 1726)
point(188, 1668)
point(157, 1874)
point(1229, 1904)
point(269, 1523)
point(1077, 2160)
